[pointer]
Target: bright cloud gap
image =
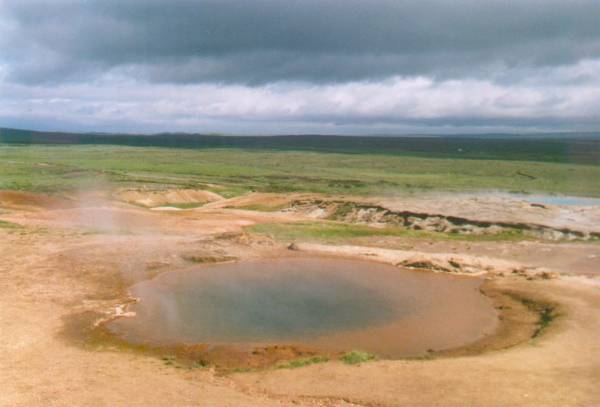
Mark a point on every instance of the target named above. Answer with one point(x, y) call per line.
point(405, 103)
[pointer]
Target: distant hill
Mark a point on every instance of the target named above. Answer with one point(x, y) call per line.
point(580, 148)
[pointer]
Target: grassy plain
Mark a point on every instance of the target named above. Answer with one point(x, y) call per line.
point(582, 148)
point(231, 171)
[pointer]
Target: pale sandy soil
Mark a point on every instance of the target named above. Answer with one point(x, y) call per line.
point(168, 197)
point(71, 257)
point(499, 209)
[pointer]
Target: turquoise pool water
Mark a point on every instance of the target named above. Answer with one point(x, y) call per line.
point(327, 303)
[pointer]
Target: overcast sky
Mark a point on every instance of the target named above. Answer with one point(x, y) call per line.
point(299, 66)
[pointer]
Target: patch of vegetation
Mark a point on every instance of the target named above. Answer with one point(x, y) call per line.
point(505, 235)
point(292, 364)
point(546, 313)
point(108, 231)
point(199, 364)
point(355, 357)
point(169, 360)
point(333, 232)
point(192, 258)
point(321, 231)
point(8, 225)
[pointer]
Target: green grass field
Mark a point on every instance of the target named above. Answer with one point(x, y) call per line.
point(336, 232)
point(235, 171)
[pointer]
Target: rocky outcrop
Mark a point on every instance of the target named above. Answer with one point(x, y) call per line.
point(375, 215)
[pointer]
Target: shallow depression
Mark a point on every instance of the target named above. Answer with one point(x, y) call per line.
point(331, 305)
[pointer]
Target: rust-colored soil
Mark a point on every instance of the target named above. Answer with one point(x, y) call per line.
point(69, 265)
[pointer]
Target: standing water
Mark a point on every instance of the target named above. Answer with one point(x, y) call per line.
point(332, 305)
point(559, 200)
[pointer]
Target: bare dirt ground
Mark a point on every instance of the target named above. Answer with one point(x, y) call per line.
point(77, 255)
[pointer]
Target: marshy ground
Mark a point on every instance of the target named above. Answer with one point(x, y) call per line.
point(69, 257)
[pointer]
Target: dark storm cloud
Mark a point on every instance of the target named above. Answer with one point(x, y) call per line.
point(262, 41)
point(334, 66)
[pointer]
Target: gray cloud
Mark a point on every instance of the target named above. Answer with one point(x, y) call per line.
point(396, 104)
point(275, 66)
point(261, 41)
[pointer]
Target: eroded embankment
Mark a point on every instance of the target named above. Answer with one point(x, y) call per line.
point(453, 263)
point(365, 213)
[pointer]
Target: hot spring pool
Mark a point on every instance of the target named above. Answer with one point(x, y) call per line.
point(331, 305)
